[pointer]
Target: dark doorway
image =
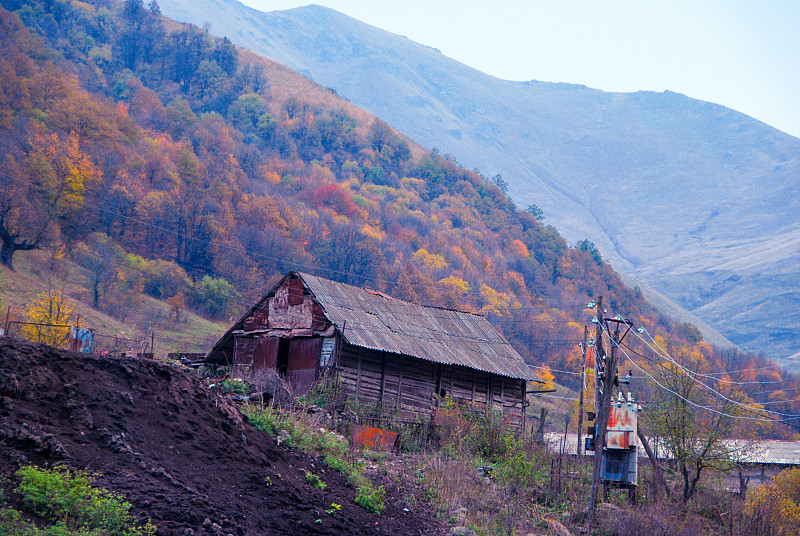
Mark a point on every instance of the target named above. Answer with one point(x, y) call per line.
point(283, 357)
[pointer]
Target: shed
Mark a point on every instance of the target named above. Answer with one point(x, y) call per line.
point(403, 358)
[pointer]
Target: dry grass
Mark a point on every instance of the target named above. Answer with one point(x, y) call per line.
point(137, 318)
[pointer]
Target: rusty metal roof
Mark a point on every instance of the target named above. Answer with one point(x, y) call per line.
point(371, 319)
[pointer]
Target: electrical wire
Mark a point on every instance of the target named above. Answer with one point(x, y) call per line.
point(762, 418)
point(693, 375)
point(657, 349)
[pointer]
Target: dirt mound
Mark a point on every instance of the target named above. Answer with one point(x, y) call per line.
point(181, 454)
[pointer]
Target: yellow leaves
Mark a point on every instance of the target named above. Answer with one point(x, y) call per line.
point(322, 175)
point(547, 377)
point(455, 283)
point(370, 231)
point(429, 260)
point(517, 283)
point(458, 258)
point(81, 173)
point(264, 212)
point(410, 183)
point(65, 171)
point(778, 395)
point(494, 302)
point(546, 320)
point(47, 313)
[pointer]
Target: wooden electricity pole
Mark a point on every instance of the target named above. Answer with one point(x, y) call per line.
point(604, 407)
point(598, 355)
point(609, 371)
point(583, 388)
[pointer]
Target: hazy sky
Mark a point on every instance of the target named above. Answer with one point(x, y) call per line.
point(742, 54)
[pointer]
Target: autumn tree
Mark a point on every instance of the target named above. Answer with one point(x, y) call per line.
point(102, 259)
point(350, 256)
point(546, 377)
point(775, 506)
point(48, 189)
point(48, 315)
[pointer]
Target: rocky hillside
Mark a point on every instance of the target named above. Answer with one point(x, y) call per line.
point(696, 200)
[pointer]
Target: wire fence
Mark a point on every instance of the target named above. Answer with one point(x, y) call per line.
point(81, 339)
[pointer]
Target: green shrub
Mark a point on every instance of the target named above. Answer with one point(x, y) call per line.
point(236, 387)
point(368, 496)
point(336, 463)
point(303, 435)
point(371, 498)
point(315, 481)
point(67, 500)
point(214, 297)
point(266, 419)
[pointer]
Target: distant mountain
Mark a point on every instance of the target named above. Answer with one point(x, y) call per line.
point(697, 200)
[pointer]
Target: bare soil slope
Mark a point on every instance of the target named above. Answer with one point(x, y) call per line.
point(180, 453)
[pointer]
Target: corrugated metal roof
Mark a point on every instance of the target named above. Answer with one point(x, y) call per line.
point(769, 452)
point(374, 320)
point(756, 452)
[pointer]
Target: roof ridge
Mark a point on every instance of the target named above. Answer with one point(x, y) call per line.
point(384, 295)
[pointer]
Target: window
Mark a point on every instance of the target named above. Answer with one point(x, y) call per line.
point(327, 353)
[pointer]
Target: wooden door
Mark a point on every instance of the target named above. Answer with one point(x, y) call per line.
point(301, 371)
point(265, 353)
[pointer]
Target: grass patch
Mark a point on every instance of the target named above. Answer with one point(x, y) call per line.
point(302, 431)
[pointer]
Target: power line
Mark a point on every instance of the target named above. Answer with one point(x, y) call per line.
point(693, 376)
point(764, 418)
point(711, 375)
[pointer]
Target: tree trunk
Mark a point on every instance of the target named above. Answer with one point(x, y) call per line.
point(689, 485)
point(9, 245)
point(659, 484)
point(743, 482)
point(96, 292)
point(6, 256)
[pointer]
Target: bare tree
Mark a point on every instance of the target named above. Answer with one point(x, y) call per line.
point(696, 417)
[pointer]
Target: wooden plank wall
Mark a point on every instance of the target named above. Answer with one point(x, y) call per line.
point(405, 387)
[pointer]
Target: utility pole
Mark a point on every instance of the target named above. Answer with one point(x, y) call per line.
point(583, 388)
point(599, 356)
point(609, 375)
point(603, 403)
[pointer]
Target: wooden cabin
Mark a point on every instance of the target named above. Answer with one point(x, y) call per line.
point(399, 357)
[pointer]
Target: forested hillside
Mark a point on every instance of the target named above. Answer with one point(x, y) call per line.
point(169, 162)
point(696, 200)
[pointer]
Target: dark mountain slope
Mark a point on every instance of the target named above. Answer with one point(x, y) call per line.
point(680, 193)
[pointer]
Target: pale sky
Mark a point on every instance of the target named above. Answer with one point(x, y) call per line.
point(741, 54)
